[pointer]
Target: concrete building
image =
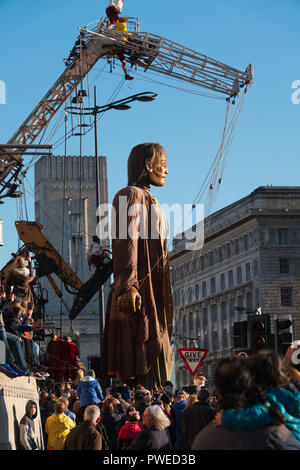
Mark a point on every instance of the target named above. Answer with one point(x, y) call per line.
point(250, 258)
point(65, 192)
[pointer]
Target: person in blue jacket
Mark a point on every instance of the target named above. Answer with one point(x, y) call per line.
point(89, 390)
point(276, 398)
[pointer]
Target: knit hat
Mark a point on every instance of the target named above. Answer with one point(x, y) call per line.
point(91, 373)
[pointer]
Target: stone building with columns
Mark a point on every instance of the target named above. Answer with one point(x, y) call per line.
point(65, 195)
point(250, 258)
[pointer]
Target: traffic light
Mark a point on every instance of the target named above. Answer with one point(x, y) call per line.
point(259, 332)
point(283, 334)
point(240, 334)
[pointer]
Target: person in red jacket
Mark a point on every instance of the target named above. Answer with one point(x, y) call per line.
point(55, 358)
point(130, 429)
point(70, 356)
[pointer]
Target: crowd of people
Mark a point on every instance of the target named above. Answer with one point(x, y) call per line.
point(255, 403)
point(255, 406)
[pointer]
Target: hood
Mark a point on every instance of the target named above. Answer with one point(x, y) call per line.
point(179, 406)
point(28, 406)
point(23, 271)
point(130, 430)
point(88, 378)
point(19, 274)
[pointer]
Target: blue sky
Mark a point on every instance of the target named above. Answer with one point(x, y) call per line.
point(37, 36)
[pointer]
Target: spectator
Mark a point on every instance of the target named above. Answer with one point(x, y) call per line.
point(142, 399)
point(8, 366)
point(199, 381)
point(10, 317)
point(112, 415)
point(169, 388)
point(234, 386)
point(19, 279)
point(89, 390)
point(67, 411)
point(72, 399)
point(46, 410)
point(275, 401)
point(58, 427)
point(124, 390)
point(176, 411)
point(70, 354)
point(26, 329)
point(130, 429)
point(118, 396)
point(54, 358)
point(28, 438)
point(196, 417)
point(155, 434)
point(86, 436)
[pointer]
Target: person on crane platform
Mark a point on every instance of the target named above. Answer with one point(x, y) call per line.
point(19, 279)
point(122, 27)
point(113, 10)
point(95, 254)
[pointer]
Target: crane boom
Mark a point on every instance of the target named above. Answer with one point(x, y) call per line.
point(146, 50)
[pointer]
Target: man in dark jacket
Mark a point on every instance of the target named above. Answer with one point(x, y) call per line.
point(85, 436)
point(196, 417)
point(176, 412)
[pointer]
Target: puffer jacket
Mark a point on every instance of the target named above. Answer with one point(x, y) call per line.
point(58, 427)
point(89, 391)
point(127, 434)
point(258, 415)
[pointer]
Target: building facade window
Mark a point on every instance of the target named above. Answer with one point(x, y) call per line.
point(284, 265)
point(248, 271)
point(283, 236)
point(230, 278)
point(197, 293)
point(214, 313)
point(204, 290)
point(223, 311)
point(286, 296)
point(246, 243)
point(213, 285)
point(239, 275)
point(222, 281)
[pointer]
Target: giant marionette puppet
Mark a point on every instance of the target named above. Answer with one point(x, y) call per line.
point(138, 324)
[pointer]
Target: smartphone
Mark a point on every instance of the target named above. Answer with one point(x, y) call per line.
point(26, 254)
point(29, 305)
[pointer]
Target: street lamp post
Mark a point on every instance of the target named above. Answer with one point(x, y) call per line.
point(120, 105)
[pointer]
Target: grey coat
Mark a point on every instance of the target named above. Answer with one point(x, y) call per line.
point(263, 438)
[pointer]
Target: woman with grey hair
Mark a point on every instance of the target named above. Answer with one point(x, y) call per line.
point(155, 434)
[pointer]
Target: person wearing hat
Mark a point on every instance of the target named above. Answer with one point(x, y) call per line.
point(196, 416)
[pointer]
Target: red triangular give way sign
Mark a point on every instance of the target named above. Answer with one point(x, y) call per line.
point(193, 358)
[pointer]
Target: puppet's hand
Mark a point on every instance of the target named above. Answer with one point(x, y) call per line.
point(130, 301)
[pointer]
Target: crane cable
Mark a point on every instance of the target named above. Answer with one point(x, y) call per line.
point(181, 313)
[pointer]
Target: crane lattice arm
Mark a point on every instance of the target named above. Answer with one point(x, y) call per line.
point(143, 49)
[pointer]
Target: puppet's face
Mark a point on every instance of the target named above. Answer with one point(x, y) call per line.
point(158, 170)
